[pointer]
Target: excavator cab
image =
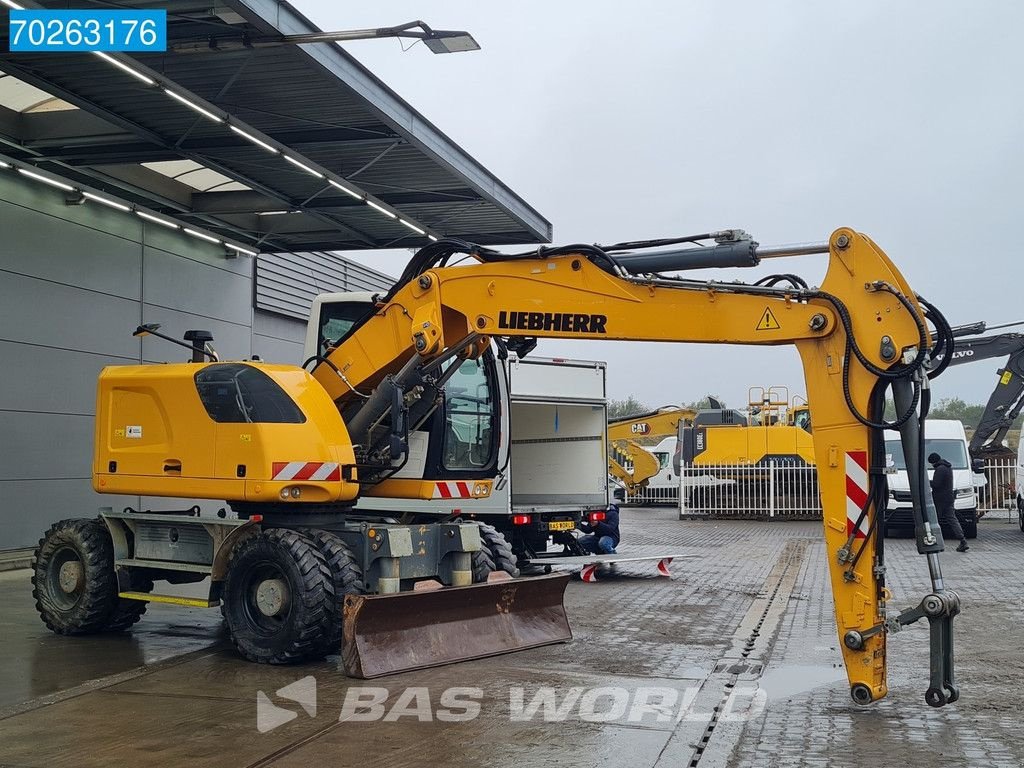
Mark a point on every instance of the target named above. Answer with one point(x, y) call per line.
point(455, 439)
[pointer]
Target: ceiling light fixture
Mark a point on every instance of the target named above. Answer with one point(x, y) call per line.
point(45, 180)
point(193, 106)
point(122, 66)
point(383, 210)
point(105, 201)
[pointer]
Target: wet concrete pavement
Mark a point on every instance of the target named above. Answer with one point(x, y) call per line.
point(733, 662)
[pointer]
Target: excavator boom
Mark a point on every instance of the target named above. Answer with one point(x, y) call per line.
point(863, 331)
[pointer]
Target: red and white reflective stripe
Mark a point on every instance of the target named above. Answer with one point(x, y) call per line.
point(306, 470)
point(663, 567)
point(589, 573)
point(856, 492)
point(459, 490)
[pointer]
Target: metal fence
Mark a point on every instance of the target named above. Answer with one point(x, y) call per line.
point(662, 494)
point(773, 490)
point(789, 492)
point(999, 494)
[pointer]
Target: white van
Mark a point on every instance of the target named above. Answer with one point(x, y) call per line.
point(945, 437)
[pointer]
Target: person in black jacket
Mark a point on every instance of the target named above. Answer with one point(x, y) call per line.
point(602, 535)
point(942, 495)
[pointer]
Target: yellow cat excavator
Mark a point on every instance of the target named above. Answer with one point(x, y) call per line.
point(292, 451)
point(623, 448)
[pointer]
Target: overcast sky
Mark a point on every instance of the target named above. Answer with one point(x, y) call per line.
point(622, 121)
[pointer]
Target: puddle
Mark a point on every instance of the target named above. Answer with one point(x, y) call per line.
point(783, 682)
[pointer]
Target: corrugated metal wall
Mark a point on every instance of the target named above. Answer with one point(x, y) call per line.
point(286, 283)
point(75, 281)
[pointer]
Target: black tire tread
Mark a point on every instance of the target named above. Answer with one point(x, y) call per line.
point(128, 612)
point(346, 575)
point(495, 554)
point(91, 539)
point(316, 598)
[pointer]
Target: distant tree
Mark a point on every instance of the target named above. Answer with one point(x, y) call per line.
point(627, 407)
point(955, 408)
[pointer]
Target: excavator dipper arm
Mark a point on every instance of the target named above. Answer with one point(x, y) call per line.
point(862, 331)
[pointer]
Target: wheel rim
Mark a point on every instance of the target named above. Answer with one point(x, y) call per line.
point(65, 578)
point(267, 598)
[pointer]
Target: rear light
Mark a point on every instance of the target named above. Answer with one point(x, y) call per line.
point(597, 516)
point(520, 519)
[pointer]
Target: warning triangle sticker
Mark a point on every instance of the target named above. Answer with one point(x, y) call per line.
point(768, 321)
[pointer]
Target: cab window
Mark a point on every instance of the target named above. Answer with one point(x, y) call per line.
point(337, 319)
point(470, 416)
point(233, 393)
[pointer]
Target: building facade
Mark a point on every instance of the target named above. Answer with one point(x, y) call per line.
point(75, 282)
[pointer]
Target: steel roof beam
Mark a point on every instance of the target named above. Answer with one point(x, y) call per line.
point(154, 138)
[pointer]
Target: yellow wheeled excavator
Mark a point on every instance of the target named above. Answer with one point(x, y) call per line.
point(629, 461)
point(291, 451)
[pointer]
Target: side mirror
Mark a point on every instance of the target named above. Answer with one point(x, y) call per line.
point(978, 465)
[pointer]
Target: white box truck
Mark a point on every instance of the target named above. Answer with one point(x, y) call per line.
point(556, 468)
point(947, 438)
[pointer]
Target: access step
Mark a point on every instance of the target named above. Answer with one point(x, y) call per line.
point(191, 602)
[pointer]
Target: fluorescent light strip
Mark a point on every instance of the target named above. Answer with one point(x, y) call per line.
point(12, 4)
point(303, 166)
point(345, 189)
point(156, 219)
point(193, 106)
point(105, 201)
point(203, 236)
point(122, 66)
point(45, 180)
point(385, 211)
point(4, 165)
point(412, 226)
point(240, 249)
point(254, 140)
point(432, 238)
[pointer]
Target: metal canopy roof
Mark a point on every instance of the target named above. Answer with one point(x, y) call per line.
point(365, 169)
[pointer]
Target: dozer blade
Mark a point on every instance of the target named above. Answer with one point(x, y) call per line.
point(384, 634)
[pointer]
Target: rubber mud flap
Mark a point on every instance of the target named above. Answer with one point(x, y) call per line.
point(385, 634)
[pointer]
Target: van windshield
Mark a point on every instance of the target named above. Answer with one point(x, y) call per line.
point(952, 451)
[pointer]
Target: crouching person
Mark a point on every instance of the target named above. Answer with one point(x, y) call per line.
point(602, 536)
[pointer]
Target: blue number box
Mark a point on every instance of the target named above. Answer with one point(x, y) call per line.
point(34, 31)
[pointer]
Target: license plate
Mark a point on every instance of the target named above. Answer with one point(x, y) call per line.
point(561, 525)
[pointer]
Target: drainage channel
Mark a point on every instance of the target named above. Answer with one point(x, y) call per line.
point(752, 643)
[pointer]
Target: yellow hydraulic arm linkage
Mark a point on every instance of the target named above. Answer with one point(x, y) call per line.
point(864, 331)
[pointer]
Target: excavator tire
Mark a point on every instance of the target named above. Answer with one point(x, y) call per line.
point(128, 612)
point(279, 598)
point(73, 580)
point(495, 554)
point(346, 576)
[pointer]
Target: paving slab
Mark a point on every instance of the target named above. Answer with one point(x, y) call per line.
point(732, 662)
